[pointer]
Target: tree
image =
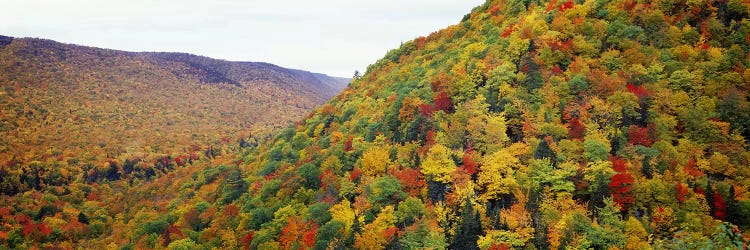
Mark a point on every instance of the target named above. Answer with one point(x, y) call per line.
point(409, 211)
point(438, 165)
point(487, 132)
point(378, 233)
point(376, 160)
point(641, 135)
point(442, 101)
point(596, 149)
point(576, 129)
point(469, 163)
point(182, 244)
point(578, 84)
point(621, 186)
point(496, 173)
point(330, 234)
point(385, 190)
point(310, 175)
point(343, 213)
point(469, 230)
point(558, 179)
point(543, 151)
point(411, 180)
point(719, 206)
point(422, 236)
point(298, 234)
point(681, 192)
point(234, 185)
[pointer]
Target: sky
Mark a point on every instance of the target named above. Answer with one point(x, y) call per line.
point(335, 37)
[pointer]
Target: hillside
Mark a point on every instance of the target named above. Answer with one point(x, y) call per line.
point(528, 125)
point(83, 107)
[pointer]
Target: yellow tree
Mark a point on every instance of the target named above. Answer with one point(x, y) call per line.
point(487, 132)
point(344, 213)
point(520, 229)
point(378, 233)
point(438, 164)
point(375, 161)
point(496, 174)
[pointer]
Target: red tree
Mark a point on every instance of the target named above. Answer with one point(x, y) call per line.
point(621, 186)
point(411, 179)
point(638, 90)
point(426, 110)
point(692, 169)
point(499, 247)
point(682, 190)
point(576, 129)
point(172, 233)
point(355, 174)
point(390, 232)
point(430, 138)
point(328, 179)
point(618, 164)
point(640, 136)
point(348, 144)
point(420, 42)
point(508, 31)
point(442, 101)
point(298, 234)
point(247, 240)
point(230, 210)
point(720, 207)
point(557, 70)
point(567, 5)
point(308, 239)
point(469, 164)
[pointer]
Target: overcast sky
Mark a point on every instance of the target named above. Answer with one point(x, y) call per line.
point(334, 37)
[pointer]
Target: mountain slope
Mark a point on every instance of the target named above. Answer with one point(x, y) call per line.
point(586, 124)
point(528, 125)
point(92, 106)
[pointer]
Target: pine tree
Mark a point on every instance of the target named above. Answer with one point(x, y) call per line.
point(544, 151)
point(470, 230)
point(646, 168)
point(733, 213)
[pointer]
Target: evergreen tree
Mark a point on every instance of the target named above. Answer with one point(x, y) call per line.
point(646, 168)
point(544, 151)
point(470, 230)
point(733, 213)
point(356, 229)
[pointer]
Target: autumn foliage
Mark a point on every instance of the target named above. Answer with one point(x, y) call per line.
point(529, 125)
point(641, 135)
point(621, 184)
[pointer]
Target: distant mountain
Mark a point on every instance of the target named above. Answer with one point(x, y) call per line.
point(210, 70)
point(65, 101)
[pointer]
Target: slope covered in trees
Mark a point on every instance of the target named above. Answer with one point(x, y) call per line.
point(528, 125)
point(81, 108)
point(82, 125)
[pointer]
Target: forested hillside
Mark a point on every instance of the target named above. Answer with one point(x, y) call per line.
point(528, 125)
point(71, 108)
point(79, 124)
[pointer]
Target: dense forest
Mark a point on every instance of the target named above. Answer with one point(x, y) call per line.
point(75, 120)
point(68, 109)
point(531, 124)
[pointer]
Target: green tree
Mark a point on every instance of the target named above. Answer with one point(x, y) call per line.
point(469, 230)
